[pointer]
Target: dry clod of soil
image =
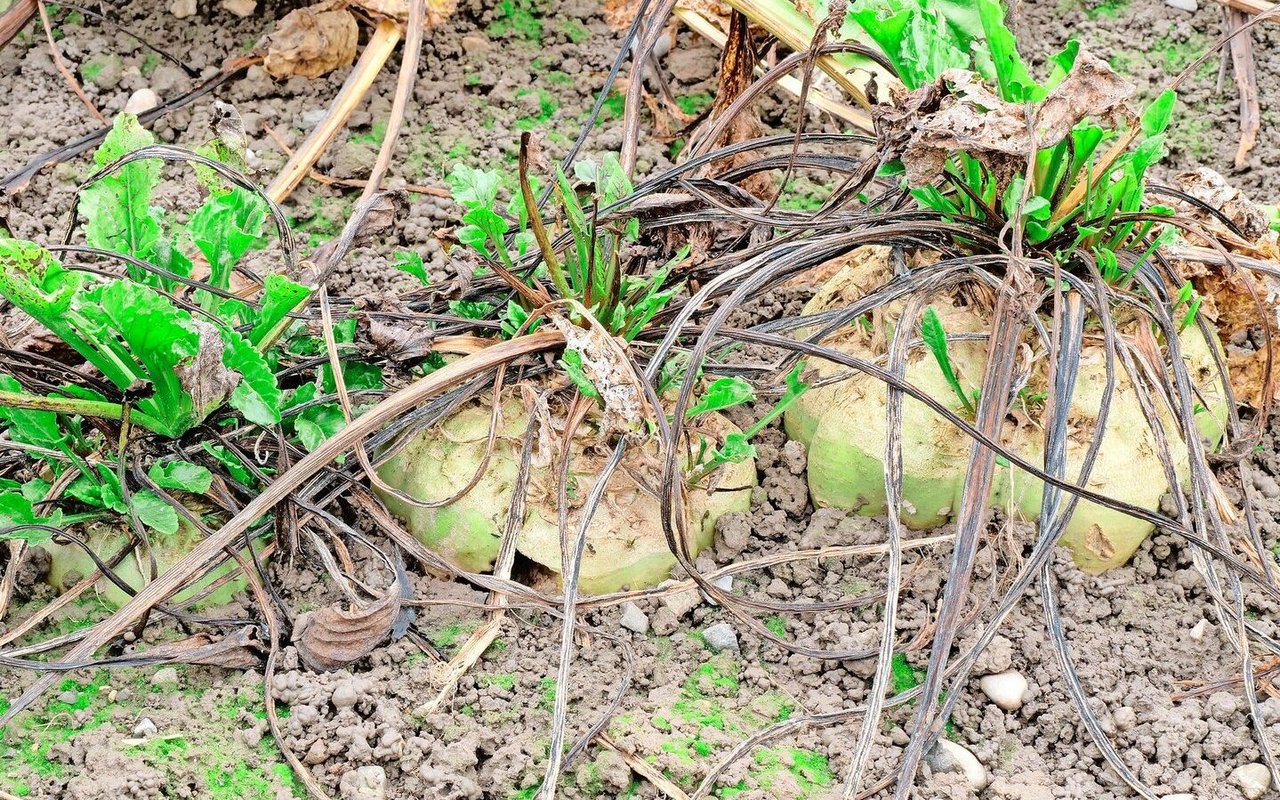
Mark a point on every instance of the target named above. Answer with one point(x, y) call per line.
point(165, 678)
point(364, 783)
point(183, 8)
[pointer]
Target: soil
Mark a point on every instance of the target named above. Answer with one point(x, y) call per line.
point(1140, 633)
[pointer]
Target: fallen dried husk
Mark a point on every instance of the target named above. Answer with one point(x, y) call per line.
point(626, 546)
point(843, 424)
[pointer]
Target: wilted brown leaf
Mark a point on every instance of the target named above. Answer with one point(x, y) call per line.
point(1248, 371)
point(312, 41)
point(239, 650)
point(437, 10)
point(331, 638)
point(959, 112)
point(400, 340)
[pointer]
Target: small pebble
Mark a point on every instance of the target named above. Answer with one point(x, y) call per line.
point(721, 637)
point(1198, 631)
point(633, 619)
point(145, 728)
point(1179, 797)
point(241, 8)
point(1253, 780)
point(165, 678)
point(183, 8)
point(724, 582)
point(1007, 690)
point(1190, 6)
point(344, 695)
point(1222, 705)
point(947, 756)
point(141, 100)
point(68, 697)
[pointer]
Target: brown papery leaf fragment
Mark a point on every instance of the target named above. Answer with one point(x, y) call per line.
point(239, 650)
point(312, 41)
point(961, 113)
point(438, 11)
point(331, 637)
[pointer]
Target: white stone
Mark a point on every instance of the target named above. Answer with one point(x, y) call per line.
point(145, 728)
point(241, 8)
point(1180, 797)
point(724, 582)
point(183, 8)
point(633, 619)
point(1008, 690)
point(721, 637)
point(947, 756)
point(1190, 6)
point(141, 100)
point(1253, 780)
point(1198, 631)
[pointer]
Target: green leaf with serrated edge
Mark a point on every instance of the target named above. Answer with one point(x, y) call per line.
point(317, 423)
point(721, 394)
point(27, 426)
point(474, 188)
point(1011, 75)
point(472, 309)
point(1156, 118)
point(35, 281)
point(571, 363)
point(99, 488)
point(157, 338)
point(234, 466)
point(935, 338)
point(735, 449)
point(280, 297)
point(154, 512)
point(514, 317)
point(356, 375)
point(117, 208)
point(256, 395)
point(485, 232)
point(224, 228)
point(16, 510)
point(410, 261)
point(182, 475)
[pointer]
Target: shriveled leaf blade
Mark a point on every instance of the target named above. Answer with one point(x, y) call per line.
point(331, 638)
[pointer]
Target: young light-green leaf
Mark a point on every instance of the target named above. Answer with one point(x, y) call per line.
point(721, 394)
point(935, 338)
point(181, 475)
point(117, 208)
point(224, 228)
point(154, 512)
